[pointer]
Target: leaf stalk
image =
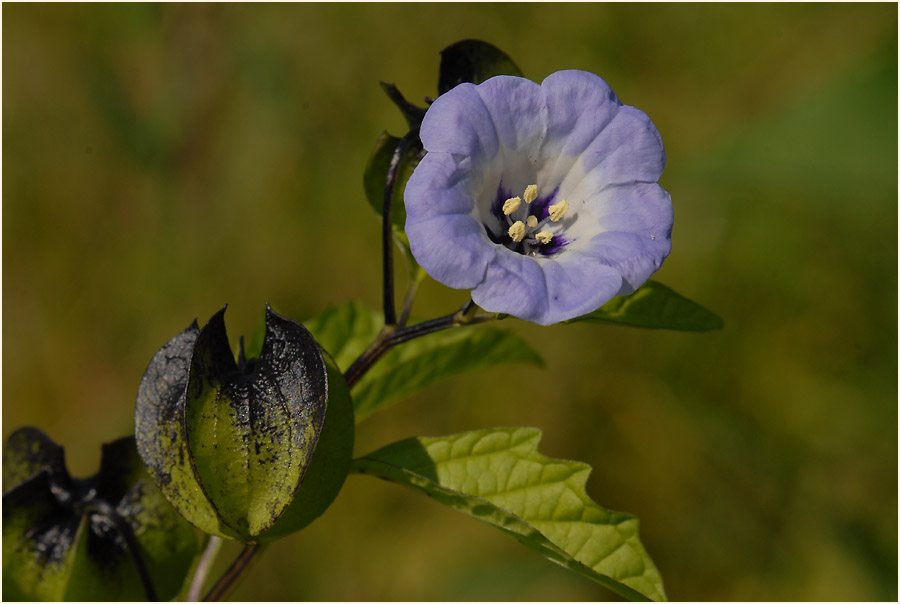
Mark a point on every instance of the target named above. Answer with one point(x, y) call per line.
point(391, 335)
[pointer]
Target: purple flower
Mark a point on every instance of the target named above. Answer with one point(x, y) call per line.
point(541, 199)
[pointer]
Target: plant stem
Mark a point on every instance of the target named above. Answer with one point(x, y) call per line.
point(228, 581)
point(371, 354)
point(203, 568)
point(387, 233)
point(390, 336)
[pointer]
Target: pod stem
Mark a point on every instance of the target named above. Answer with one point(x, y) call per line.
point(213, 545)
point(228, 581)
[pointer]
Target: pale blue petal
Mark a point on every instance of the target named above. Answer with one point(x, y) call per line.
point(444, 238)
point(628, 150)
point(636, 257)
point(518, 111)
point(643, 208)
point(437, 187)
point(580, 105)
point(458, 122)
point(513, 284)
point(576, 285)
point(453, 249)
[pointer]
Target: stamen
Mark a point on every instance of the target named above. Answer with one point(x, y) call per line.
point(530, 193)
point(517, 231)
point(544, 236)
point(531, 222)
point(511, 205)
point(558, 210)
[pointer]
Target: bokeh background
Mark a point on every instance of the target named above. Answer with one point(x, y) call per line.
point(162, 160)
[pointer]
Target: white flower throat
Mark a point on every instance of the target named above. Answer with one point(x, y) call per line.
point(527, 230)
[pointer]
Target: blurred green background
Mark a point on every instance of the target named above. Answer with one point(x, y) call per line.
point(162, 160)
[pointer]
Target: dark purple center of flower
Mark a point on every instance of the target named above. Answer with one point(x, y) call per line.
point(539, 208)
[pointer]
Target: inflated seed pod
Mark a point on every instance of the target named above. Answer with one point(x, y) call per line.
point(111, 536)
point(252, 449)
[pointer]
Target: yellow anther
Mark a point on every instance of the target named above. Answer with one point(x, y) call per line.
point(530, 193)
point(544, 236)
point(531, 221)
point(517, 231)
point(511, 205)
point(558, 210)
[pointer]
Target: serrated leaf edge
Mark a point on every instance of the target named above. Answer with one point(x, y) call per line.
point(529, 444)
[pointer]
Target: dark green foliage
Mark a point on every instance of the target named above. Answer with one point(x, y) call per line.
point(655, 306)
point(473, 61)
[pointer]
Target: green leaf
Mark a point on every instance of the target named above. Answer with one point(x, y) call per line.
point(473, 61)
point(345, 331)
point(498, 477)
point(420, 363)
point(654, 306)
point(414, 365)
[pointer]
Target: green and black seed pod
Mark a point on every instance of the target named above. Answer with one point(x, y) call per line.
point(250, 450)
point(108, 537)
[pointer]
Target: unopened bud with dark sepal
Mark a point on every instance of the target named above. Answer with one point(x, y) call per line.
point(250, 450)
